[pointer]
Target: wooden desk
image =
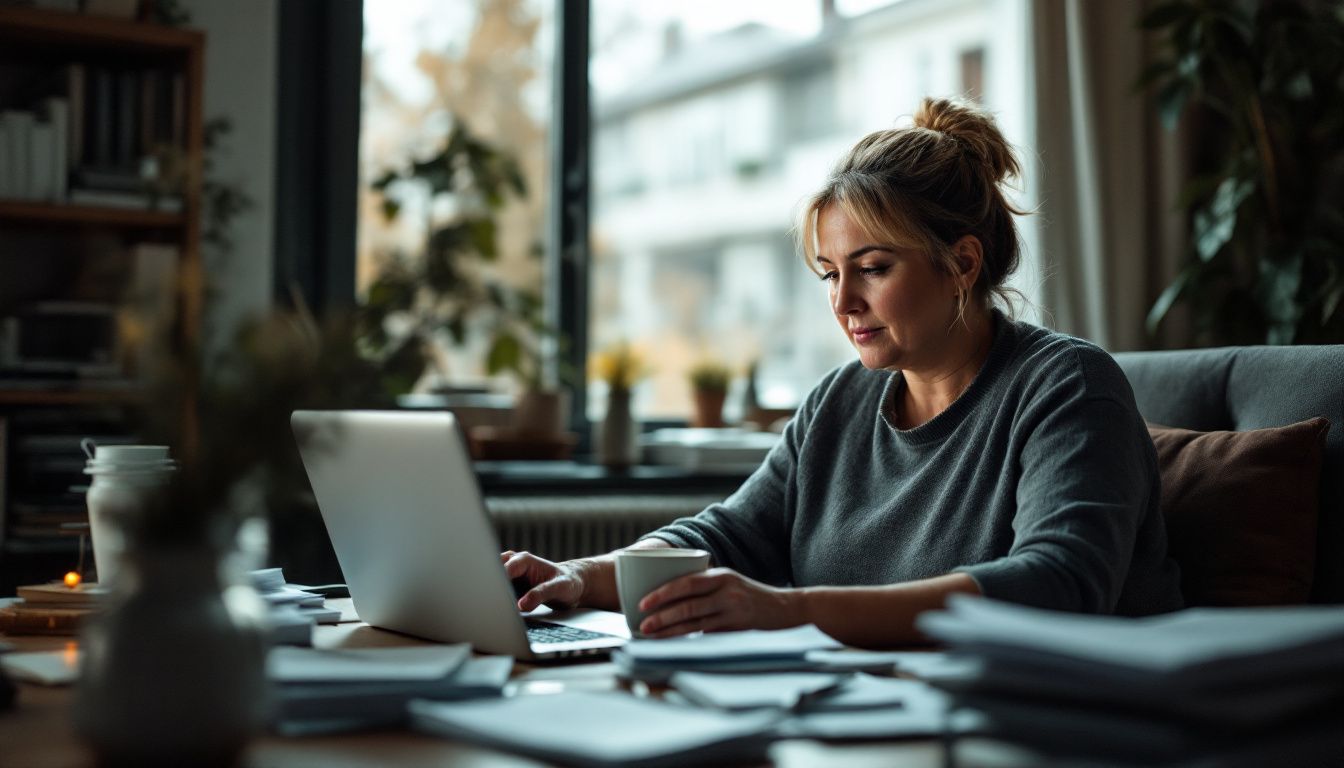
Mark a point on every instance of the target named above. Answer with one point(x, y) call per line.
point(38, 732)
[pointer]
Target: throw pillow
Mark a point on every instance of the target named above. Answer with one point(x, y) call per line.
point(1241, 511)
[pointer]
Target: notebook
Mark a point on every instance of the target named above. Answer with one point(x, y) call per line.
point(405, 516)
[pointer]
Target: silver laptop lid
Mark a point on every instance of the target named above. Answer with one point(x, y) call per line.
point(405, 516)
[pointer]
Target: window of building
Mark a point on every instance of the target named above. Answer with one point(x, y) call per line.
point(711, 122)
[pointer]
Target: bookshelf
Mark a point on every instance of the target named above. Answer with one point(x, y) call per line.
point(101, 150)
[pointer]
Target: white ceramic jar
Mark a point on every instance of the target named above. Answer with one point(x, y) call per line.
point(124, 477)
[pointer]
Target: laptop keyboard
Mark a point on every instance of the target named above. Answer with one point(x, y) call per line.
point(546, 632)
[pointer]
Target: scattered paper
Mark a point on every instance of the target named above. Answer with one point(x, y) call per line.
point(749, 644)
point(43, 667)
point(781, 690)
point(422, 662)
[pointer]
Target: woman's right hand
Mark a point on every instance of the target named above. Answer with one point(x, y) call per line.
point(558, 585)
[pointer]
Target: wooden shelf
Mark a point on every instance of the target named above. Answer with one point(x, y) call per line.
point(84, 31)
point(119, 396)
point(86, 215)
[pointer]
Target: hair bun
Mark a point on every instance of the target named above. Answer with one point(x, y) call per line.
point(975, 129)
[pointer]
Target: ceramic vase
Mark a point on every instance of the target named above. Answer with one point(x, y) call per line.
point(173, 669)
point(618, 433)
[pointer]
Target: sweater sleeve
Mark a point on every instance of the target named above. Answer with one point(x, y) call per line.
point(750, 530)
point(1088, 477)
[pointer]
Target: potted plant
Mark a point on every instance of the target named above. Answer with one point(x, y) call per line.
point(453, 291)
point(1266, 251)
point(182, 602)
point(709, 388)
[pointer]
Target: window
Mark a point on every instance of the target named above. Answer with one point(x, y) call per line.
point(712, 121)
point(430, 66)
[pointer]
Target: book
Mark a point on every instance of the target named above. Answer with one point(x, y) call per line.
point(141, 201)
point(75, 95)
point(41, 162)
point(99, 123)
point(56, 110)
point(18, 131)
point(20, 619)
point(57, 594)
point(6, 163)
point(126, 130)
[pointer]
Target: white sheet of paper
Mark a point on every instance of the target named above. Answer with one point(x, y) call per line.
point(780, 690)
point(755, 643)
point(43, 667)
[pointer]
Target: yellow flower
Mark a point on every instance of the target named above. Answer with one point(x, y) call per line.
point(619, 365)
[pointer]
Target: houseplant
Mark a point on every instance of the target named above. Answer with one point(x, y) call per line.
point(451, 289)
point(709, 388)
point(1261, 87)
point(182, 602)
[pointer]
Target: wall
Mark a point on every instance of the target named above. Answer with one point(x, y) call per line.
point(240, 83)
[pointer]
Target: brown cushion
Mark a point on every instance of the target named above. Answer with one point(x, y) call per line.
point(1241, 511)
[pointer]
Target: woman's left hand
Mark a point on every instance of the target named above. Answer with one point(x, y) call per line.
point(718, 600)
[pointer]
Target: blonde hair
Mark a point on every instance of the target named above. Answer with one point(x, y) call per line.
point(927, 186)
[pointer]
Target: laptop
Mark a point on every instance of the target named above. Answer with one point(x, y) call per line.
point(404, 512)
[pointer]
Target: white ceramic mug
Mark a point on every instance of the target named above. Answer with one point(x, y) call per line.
point(640, 571)
point(124, 477)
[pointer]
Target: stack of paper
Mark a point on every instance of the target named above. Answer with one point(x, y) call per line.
point(601, 729)
point(50, 609)
point(1262, 681)
point(293, 611)
point(345, 689)
point(748, 651)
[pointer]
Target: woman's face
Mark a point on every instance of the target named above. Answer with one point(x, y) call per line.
point(892, 304)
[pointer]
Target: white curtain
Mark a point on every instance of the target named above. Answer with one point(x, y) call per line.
point(1108, 175)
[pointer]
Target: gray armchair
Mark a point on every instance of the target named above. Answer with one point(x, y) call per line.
point(1241, 388)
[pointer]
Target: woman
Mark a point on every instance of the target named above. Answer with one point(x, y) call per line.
point(963, 452)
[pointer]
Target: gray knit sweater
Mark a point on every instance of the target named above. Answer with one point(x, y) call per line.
point(1040, 482)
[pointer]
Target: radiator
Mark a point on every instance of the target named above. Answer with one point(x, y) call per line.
point(566, 527)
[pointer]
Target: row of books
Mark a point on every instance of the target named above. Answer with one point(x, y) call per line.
point(96, 135)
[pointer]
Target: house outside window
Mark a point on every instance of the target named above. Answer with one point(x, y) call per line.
point(711, 124)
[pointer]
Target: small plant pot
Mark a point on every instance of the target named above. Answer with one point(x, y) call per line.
point(541, 412)
point(708, 408)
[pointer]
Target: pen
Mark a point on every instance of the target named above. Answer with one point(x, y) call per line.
point(807, 698)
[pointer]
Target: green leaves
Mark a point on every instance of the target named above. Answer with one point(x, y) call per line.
point(506, 353)
point(451, 290)
point(1280, 281)
point(1169, 297)
point(1264, 84)
point(1214, 225)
